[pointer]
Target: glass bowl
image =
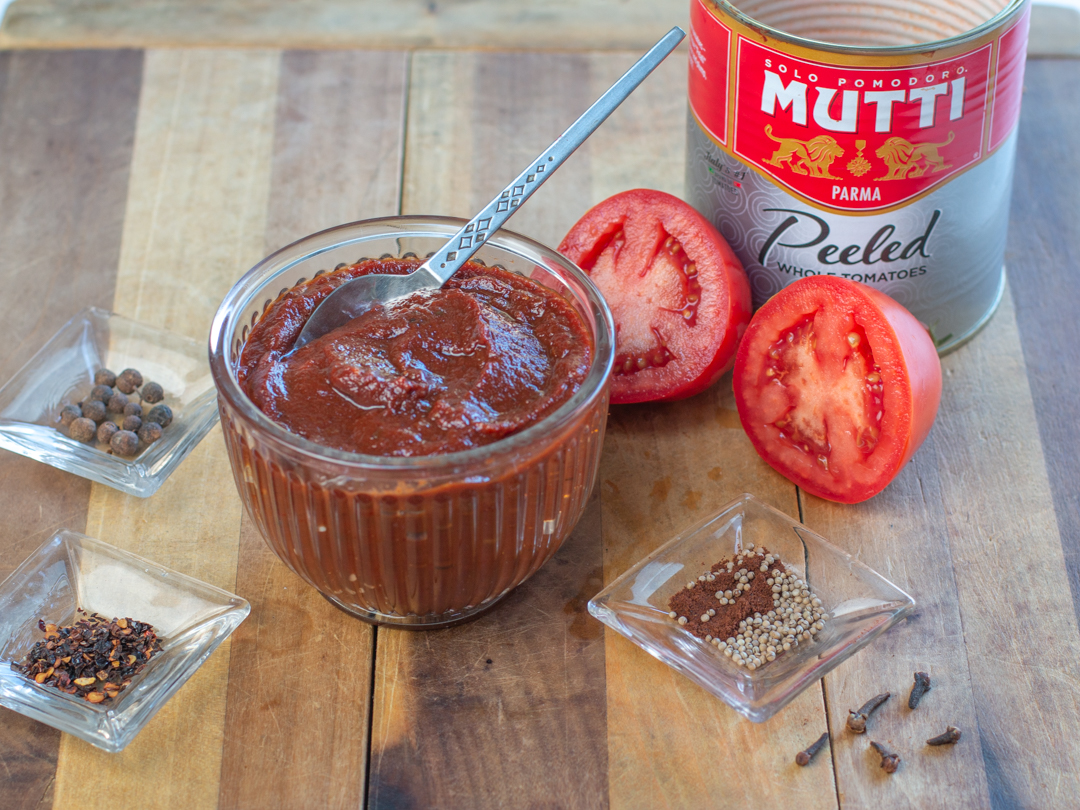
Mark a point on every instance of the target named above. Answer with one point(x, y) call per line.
point(424, 541)
point(62, 372)
point(861, 604)
point(74, 571)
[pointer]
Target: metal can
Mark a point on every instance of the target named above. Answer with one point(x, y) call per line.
point(872, 140)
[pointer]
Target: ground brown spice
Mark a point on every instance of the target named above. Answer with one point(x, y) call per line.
point(696, 602)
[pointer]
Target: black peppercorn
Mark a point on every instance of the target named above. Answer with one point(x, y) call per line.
point(150, 432)
point(94, 409)
point(82, 429)
point(152, 392)
point(101, 393)
point(128, 380)
point(104, 377)
point(117, 403)
point(162, 414)
point(106, 431)
point(133, 409)
point(132, 423)
point(69, 413)
point(124, 443)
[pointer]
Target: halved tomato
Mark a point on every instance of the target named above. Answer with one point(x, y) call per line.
point(678, 293)
point(837, 385)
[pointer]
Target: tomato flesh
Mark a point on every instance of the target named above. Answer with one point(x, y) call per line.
point(836, 385)
point(678, 294)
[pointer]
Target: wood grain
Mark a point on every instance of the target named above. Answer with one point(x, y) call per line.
point(195, 220)
point(1019, 627)
point(338, 145)
point(67, 124)
point(671, 744)
point(1044, 247)
point(524, 24)
point(521, 688)
point(506, 711)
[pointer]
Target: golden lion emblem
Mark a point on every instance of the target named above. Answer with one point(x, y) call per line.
point(812, 157)
point(906, 159)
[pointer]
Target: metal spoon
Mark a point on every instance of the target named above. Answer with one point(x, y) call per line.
point(355, 297)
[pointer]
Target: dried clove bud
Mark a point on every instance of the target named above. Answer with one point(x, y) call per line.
point(804, 757)
point(920, 688)
point(889, 761)
point(951, 735)
point(857, 719)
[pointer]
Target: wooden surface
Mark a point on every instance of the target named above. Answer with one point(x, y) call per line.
point(487, 24)
point(148, 181)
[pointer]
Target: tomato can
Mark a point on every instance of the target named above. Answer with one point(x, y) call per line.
point(869, 139)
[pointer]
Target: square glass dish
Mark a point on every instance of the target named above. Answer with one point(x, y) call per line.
point(74, 571)
point(62, 372)
point(860, 603)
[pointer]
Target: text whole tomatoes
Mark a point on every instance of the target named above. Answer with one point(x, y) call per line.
point(837, 385)
point(679, 295)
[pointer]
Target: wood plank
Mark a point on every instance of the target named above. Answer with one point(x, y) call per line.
point(496, 712)
point(338, 145)
point(523, 24)
point(196, 218)
point(903, 534)
point(67, 124)
point(671, 744)
point(1043, 252)
point(1010, 573)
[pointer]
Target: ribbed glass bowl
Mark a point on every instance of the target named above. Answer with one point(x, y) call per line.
point(424, 541)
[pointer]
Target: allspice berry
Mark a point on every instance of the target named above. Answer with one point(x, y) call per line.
point(162, 414)
point(101, 393)
point(94, 410)
point(124, 443)
point(128, 380)
point(117, 403)
point(104, 377)
point(132, 423)
point(133, 409)
point(82, 429)
point(152, 392)
point(106, 431)
point(150, 432)
point(69, 413)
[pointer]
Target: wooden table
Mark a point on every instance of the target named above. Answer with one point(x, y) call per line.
point(147, 179)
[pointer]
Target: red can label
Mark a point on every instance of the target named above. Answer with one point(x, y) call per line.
point(855, 137)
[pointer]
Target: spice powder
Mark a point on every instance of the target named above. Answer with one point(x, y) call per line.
point(751, 607)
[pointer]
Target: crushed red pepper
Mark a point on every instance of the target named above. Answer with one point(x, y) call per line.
point(93, 659)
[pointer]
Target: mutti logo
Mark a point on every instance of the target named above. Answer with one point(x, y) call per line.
point(859, 138)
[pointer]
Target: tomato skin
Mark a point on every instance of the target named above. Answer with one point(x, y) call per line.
point(833, 312)
point(699, 351)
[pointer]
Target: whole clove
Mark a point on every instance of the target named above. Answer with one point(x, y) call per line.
point(918, 689)
point(803, 757)
point(857, 719)
point(889, 761)
point(951, 735)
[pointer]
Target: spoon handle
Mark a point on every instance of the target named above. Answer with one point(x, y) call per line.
point(458, 250)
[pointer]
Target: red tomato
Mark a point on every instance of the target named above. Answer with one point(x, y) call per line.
point(679, 295)
point(837, 385)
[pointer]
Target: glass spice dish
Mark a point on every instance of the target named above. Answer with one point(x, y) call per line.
point(423, 541)
point(860, 604)
point(62, 372)
point(73, 571)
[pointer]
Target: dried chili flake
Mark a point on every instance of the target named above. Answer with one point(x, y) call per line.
point(94, 658)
